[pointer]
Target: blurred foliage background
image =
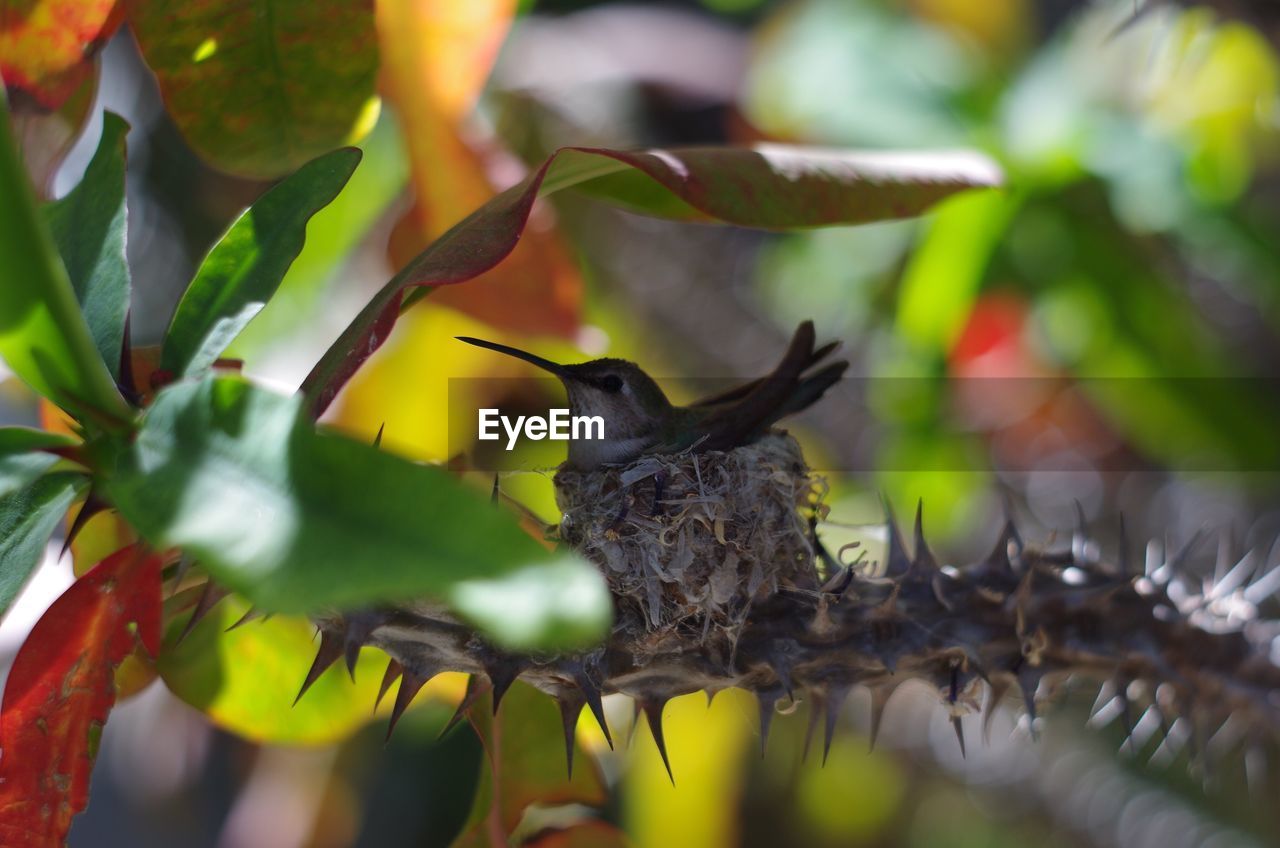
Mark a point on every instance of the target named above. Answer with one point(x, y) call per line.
point(1128, 278)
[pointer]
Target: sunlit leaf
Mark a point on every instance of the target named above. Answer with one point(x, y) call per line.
point(706, 746)
point(299, 521)
point(61, 689)
point(259, 88)
point(435, 60)
point(244, 268)
point(524, 764)
point(89, 228)
point(947, 268)
point(46, 45)
point(245, 680)
point(28, 518)
point(770, 187)
point(43, 336)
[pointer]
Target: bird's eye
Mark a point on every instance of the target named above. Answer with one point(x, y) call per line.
point(611, 383)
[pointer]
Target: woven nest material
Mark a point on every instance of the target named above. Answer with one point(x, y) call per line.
point(692, 541)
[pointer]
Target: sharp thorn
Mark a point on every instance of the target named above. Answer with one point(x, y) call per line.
point(833, 703)
point(184, 566)
point(495, 494)
point(377, 440)
point(477, 686)
point(209, 598)
point(410, 685)
point(924, 556)
point(91, 507)
point(635, 722)
point(328, 653)
point(351, 655)
point(816, 703)
point(591, 693)
point(502, 675)
point(357, 630)
point(393, 672)
point(897, 563)
point(999, 561)
point(653, 713)
point(959, 728)
point(571, 705)
point(767, 701)
point(782, 670)
point(249, 615)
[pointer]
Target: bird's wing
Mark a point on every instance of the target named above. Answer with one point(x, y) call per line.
point(737, 422)
point(743, 389)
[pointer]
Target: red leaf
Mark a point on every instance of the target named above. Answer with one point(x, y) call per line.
point(61, 689)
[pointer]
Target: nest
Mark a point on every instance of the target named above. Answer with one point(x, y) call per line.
point(692, 541)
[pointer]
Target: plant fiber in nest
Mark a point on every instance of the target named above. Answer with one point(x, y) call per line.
point(689, 542)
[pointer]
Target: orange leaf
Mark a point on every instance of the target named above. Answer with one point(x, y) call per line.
point(61, 689)
point(45, 45)
point(436, 57)
point(524, 764)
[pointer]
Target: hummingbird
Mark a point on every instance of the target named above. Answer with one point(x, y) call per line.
point(639, 420)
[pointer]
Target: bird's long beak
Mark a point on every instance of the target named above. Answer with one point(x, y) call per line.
point(545, 364)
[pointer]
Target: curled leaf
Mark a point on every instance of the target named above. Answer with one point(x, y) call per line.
point(769, 187)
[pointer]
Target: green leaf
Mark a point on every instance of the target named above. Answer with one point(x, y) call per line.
point(946, 271)
point(89, 227)
point(259, 87)
point(28, 518)
point(299, 521)
point(43, 336)
point(246, 266)
point(221, 672)
point(770, 187)
point(21, 456)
